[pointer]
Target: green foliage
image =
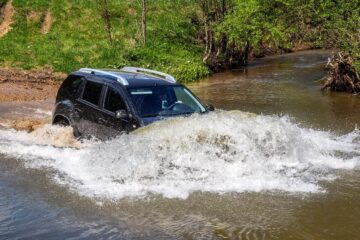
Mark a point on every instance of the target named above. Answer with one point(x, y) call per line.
point(330, 24)
point(251, 23)
point(286, 23)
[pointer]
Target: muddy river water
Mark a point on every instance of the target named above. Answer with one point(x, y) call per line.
point(278, 160)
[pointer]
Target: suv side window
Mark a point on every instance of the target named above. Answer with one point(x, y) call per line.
point(92, 92)
point(74, 85)
point(113, 101)
point(71, 86)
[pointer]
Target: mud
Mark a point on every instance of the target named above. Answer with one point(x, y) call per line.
point(27, 97)
point(20, 85)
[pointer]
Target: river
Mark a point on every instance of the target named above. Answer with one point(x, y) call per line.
point(279, 159)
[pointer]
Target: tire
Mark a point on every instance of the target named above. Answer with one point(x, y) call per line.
point(64, 123)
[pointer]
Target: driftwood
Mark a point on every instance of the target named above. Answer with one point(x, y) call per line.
point(342, 75)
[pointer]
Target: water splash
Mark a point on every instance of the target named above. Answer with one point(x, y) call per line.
point(219, 152)
point(50, 135)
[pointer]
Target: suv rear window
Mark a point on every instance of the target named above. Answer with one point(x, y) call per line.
point(92, 92)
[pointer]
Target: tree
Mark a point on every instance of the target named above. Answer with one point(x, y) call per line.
point(213, 13)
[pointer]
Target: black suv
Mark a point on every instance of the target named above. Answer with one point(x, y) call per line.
point(105, 103)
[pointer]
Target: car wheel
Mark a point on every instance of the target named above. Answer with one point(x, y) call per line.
point(64, 123)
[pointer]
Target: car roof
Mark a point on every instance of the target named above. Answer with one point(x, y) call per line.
point(130, 76)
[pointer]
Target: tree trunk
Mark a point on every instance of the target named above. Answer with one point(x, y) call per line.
point(209, 47)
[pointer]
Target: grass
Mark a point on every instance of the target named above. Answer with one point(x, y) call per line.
point(78, 37)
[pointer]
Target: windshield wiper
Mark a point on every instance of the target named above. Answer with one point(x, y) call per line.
point(184, 113)
point(166, 114)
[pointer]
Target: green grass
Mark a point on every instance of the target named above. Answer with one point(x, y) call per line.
point(78, 37)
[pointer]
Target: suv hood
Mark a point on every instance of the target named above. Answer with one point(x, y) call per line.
point(149, 120)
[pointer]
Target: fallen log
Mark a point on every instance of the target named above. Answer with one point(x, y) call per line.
point(343, 76)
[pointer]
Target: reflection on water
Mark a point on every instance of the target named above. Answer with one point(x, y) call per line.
point(287, 84)
point(225, 175)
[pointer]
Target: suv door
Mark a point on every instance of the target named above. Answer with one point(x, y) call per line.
point(87, 107)
point(113, 102)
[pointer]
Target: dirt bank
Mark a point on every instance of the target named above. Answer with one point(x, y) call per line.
point(32, 85)
point(27, 97)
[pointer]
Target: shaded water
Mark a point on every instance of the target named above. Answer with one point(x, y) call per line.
point(225, 175)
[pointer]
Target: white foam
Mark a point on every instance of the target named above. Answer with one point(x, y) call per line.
point(46, 135)
point(219, 152)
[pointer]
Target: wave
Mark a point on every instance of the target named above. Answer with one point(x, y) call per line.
point(220, 152)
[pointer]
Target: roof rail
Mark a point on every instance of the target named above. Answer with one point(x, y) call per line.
point(167, 77)
point(118, 78)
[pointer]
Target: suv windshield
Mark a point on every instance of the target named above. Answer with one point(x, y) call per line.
point(164, 101)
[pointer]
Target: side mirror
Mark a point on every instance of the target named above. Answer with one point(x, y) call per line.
point(121, 114)
point(210, 108)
